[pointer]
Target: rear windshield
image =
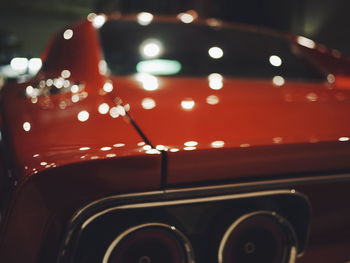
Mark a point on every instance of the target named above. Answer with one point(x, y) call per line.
point(198, 50)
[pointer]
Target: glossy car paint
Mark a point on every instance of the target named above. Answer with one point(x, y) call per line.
point(248, 130)
point(56, 138)
point(255, 128)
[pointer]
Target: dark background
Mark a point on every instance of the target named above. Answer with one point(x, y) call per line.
point(26, 25)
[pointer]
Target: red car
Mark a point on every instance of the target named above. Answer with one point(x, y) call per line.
point(173, 139)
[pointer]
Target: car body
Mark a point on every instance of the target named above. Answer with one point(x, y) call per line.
point(91, 157)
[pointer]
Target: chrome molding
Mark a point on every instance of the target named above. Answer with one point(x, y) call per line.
point(189, 201)
point(131, 195)
point(262, 184)
point(273, 183)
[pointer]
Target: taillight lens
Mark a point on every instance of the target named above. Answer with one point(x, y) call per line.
point(258, 237)
point(150, 243)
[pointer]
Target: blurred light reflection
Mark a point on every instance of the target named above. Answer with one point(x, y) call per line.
point(83, 116)
point(187, 104)
point(159, 67)
point(74, 89)
point(58, 83)
point(277, 140)
point(148, 103)
point(65, 74)
point(144, 18)
point(62, 105)
point(103, 108)
point(30, 91)
point(106, 148)
point(84, 148)
point(216, 52)
point(185, 18)
point(121, 111)
point(153, 151)
point(118, 145)
point(75, 98)
point(151, 48)
point(66, 84)
point(90, 17)
point(278, 81)
point(275, 61)
point(306, 42)
point(214, 22)
point(312, 97)
point(49, 82)
point(68, 34)
point(19, 64)
point(34, 65)
point(344, 139)
point(127, 107)
point(98, 21)
point(147, 147)
point(161, 148)
point(149, 82)
point(215, 81)
point(114, 112)
point(190, 148)
point(191, 143)
point(108, 86)
point(218, 144)
point(212, 100)
point(330, 78)
point(27, 126)
point(102, 67)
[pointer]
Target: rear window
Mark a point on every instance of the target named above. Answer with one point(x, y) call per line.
point(198, 50)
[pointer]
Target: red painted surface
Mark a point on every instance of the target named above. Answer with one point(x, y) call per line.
point(55, 135)
point(329, 238)
point(43, 205)
point(249, 128)
point(60, 162)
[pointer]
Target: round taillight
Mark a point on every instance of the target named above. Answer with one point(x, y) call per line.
point(150, 243)
point(258, 237)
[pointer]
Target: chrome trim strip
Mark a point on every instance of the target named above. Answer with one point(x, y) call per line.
point(131, 195)
point(293, 255)
point(186, 243)
point(274, 183)
point(189, 201)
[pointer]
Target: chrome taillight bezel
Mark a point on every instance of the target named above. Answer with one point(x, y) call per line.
point(291, 246)
point(178, 236)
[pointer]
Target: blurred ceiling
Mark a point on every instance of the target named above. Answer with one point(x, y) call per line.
point(326, 21)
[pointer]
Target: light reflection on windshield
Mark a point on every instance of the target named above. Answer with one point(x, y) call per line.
point(131, 47)
point(159, 67)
